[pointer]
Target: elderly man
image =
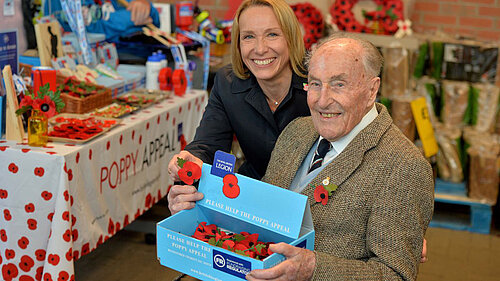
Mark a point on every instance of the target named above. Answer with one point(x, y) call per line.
point(372, 226)
point(369, 188)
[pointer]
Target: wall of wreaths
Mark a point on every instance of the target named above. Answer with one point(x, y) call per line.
point(471, 18)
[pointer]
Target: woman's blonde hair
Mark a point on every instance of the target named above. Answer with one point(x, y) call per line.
point(290, 27)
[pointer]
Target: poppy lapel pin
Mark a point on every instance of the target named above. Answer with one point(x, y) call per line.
point(323, 191)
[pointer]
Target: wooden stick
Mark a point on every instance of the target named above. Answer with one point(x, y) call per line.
point(14, 129)
point(151, 33)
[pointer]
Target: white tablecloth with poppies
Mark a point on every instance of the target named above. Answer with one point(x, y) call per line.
point(59, 202)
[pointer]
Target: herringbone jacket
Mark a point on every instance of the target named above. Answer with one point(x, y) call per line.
point(373, 225)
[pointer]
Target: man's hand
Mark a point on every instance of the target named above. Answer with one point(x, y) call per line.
point(299, 265)
point(423, 258)
point(173, 169)
point(182, 197)
point(140, 10)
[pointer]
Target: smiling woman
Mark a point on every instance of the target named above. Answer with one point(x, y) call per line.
point(257, 95)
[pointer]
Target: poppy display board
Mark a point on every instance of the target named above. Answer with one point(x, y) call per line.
point(238, 204)
point(61, 201)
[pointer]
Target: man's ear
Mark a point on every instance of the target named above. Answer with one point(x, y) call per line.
point(374, 85)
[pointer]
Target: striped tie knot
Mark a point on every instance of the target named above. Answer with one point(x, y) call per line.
point(322, 149)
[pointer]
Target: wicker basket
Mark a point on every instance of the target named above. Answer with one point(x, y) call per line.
point(87, 104)
point(83, 105)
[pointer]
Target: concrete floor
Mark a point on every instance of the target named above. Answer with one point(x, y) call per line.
point(453, 255)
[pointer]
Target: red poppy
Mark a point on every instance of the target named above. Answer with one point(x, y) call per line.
point(321, 195)
point(70, 175)
point(13, 168)
point(23, 242)
point(74, 234)
point(26, 263)
point(73, 220)
point(32, 224)
point(63, 276)
point(183, 141)
point(111, 227)
point(9, 271)
point(240, 247)
point(230, 187)
point(69, 254)
point(137, 214)
point(10, 254)
point(85, 249)
point(50, 216)
point(26, 278)
point(29, 208)
point(3, 194)
point(46, 195)
point(39, 171)
point(117, 226)
point(228, 244)
point(40, 254)
point(250, 240)
point(45, 105)
point(76, 255)
point(148, 200)
point(47, 277)
point(65, 215)
point(67, 235)
point(39, 272)
point(189, 172)
point(66, 195)
point(53, 259)
point(6, 214)
point(3, 235)
point(126, 221)
point(26, 101)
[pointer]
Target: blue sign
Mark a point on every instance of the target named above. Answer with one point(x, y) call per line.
point(8, 50)
point(223, 164)
point(231, 264)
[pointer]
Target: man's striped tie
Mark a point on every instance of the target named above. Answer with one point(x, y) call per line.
point(323, 148)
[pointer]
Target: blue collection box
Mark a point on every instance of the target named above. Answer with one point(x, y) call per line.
point(276, 214)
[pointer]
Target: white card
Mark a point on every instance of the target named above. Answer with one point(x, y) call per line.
point(8, 8)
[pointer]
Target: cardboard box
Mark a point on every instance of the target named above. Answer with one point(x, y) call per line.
point(276, 214)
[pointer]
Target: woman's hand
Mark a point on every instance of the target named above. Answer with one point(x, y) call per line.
point(182, 197)
point(173, 169)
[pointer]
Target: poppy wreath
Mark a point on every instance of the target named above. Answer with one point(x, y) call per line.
point(244, 243)
point(189, 171)
point(311, 20)
point(384, 19)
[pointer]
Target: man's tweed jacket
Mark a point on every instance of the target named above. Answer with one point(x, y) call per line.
point(373, 225)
